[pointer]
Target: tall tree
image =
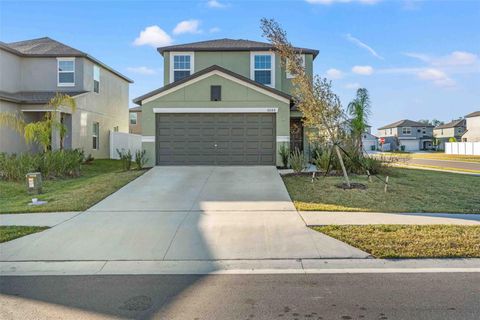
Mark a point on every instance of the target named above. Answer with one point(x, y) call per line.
point(320, 106)
point(359, 110)
point(41, 131)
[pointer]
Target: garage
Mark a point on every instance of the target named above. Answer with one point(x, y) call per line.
point(410, 145)
point(215, 138)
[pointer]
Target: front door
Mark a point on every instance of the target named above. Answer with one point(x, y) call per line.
point(296, 134)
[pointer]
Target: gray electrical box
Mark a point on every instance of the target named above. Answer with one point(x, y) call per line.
point(34, 182)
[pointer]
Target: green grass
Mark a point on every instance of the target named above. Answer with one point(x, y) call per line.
point(8, 233)
point(98, 180)
point(410, 190)
point(438, 156)
point(407, 241)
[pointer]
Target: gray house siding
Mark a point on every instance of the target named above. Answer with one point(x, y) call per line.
point(9, 75)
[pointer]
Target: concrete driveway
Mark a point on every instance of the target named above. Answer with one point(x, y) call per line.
point(186, 213)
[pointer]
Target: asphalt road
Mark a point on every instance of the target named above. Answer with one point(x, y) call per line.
point(316, 296)
point(446, 164)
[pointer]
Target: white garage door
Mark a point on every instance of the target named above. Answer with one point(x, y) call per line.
point(410, 145)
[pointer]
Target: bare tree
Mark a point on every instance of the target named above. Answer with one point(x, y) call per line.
point(314, 97)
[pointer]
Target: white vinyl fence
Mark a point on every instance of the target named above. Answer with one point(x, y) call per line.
point(124, 142)
point(465, 148)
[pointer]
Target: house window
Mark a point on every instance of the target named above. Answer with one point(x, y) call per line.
point(289, 75)
point(133, 118)
point(95, 134)
point(406, 130)
point(65, 72)
point(96, 79)
point(262, 70)
point(182, 66)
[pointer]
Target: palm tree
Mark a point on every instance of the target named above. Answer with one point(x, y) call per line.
point(359, 109)
point(41, 131)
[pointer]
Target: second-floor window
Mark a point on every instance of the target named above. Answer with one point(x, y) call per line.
point(406, 130)
point(133, 118)
point(262, 68)
point(96, 79)
point(182, 66)
point(66, 72)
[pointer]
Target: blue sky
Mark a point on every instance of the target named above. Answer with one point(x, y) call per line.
point(418, 59)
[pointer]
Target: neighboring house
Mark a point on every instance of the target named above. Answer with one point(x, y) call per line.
point(33, 71)
point(135, 120)
point(444, 132)
point(412, 135)
point(369, 141)
point(224, 102)
point(472, 134)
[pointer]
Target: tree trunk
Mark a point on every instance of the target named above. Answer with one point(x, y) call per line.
point(345, 175)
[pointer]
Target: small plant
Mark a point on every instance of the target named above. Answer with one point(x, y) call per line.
point(140, 159)
point(88, 159)
point(126, 158)
point(297, 161)
point(284, 154)
point(322, 162)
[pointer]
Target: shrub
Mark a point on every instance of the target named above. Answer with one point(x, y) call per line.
point(297, 161)
point(373, 165)
point(126, 158)
point(284, 154)
point(321, 162)
point(140, 159)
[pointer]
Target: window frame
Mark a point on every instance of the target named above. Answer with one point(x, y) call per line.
point(289, 75)
point(172, 67)
point(272, 66)
point(65, 84)
point(136, 118)
point(96, 135)
point(404, 131)
point(96, 67)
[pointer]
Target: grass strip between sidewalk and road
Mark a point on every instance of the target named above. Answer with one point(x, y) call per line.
point(98, 180)
point(410, 241)
point(8, 233)
point(409, 190)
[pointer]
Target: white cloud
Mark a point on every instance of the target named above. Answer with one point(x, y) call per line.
point(342, 1)
point(438, 77)
point(363, 70)
point(214, 30)
point(187, 26)
point(215, 4)
point(142, 70)
point(363, 45)
point(354, 85)
point(419, 56)
point(334, 73)
point(153, 36)
point(456, 58)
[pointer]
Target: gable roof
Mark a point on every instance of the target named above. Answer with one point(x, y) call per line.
point(34, 97)
point(205, 72)
point(228, 45)
point(405, 123)
point(46, 47)
point(452, 124)
point(135, 109)
point(473, 114)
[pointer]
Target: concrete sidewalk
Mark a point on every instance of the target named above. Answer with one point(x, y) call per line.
point(43, 219)
point(317, 218)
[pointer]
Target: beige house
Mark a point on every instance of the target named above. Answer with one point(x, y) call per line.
point(473, 127)
point(135, 120)
point(444, 132)
point(33, 71)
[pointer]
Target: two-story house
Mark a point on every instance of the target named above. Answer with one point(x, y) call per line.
point(369, 141)
point(223, 102)
point(33, 71)
point(472, 133)
point(444, 132)
point(135, 120)
point(408, 135)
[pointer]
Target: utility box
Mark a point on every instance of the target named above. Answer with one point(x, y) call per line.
point(34, 182)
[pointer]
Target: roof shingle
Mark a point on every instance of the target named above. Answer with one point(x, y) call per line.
point(34, 97)
point(452, 124)
point(473, 114)
point(405, 123)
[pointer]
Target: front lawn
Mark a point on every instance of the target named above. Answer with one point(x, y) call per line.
point(407, 241)
point(98, 180)
point(409, 190)
point(439, 156)
point(8, 233)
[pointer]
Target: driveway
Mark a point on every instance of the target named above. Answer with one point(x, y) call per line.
point(186, 213)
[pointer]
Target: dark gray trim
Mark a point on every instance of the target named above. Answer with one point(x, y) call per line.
point(35, 97)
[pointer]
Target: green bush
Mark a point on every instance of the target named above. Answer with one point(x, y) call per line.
point(126, 158)
point(284, 154)
point(52, 164)
point(140, 159)
point(297, 161)
point(321, 162)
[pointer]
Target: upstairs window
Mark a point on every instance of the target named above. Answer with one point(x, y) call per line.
point(96, 79)
point(182, 66)
point(66, 72)
point(406, 130)
point(262, 68)
point(133, 118)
